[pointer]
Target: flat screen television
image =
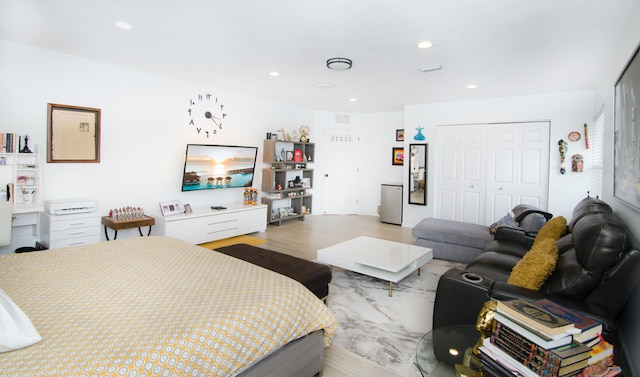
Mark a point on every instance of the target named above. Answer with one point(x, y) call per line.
point(212, 167)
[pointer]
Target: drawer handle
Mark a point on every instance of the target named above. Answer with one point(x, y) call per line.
point(76, 234)
point(76, 224)
point(76, 243)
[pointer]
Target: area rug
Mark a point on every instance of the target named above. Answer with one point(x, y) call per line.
point(250, 240)
point(384, 329)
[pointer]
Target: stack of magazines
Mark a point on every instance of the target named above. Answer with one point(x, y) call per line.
point(543, 338)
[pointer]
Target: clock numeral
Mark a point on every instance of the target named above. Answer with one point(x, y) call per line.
point(198, 129)
point(207, 132)
point(224, 115)
point(191, 123)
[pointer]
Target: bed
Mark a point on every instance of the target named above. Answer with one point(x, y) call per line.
point(157, 306)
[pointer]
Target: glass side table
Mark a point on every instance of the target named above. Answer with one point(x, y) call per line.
point(439, 350)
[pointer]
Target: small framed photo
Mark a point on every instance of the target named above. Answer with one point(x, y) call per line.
point(400, 135)
point(187, 208)
point(306, 182)
point(397, 157)
point(289, 156)
point(173, 207)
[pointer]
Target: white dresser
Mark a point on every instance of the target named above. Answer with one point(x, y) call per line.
point(58, 231)
point(206, 225)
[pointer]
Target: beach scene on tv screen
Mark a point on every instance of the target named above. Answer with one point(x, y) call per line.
point(215, 167)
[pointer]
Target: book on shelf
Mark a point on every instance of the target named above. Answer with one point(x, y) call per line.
point(600, 351)
point(602, 368)
point(534, 317)
point(530, 369)
point(539, 339)
point(553, 362)
point(589, 328)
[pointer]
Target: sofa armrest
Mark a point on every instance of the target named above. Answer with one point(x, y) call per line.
point(459, 298)
point(513, 241)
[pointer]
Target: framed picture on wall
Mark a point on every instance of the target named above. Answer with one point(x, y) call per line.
point(73, 133)
point(400, 135)
point(626, 170)
point(397, 157)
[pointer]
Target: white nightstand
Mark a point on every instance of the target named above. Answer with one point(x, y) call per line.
point(58, 231)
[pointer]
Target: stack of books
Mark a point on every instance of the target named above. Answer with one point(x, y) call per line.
point(540, 338)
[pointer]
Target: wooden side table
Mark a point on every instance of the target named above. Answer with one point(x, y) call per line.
point(108, 222)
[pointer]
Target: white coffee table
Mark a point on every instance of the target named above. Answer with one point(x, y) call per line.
point(382, 259)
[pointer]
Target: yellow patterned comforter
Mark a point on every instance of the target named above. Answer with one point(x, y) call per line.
point(152, 306)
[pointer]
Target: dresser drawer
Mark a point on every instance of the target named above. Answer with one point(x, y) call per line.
point(56, 244)
point(20, 219)
point(75, 233)
point(75, 223)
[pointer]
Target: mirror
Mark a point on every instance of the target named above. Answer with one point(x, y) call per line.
point(418, 173)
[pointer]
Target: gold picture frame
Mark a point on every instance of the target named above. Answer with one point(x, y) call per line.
point(73, 133)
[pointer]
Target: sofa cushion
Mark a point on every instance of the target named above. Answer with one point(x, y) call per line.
point(587, 206)
point(453, 232)
point(530, 218)
point(535, 267)
point(600, 240)
point(554, 229)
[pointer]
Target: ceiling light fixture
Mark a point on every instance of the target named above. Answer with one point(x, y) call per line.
point(339, 64)
point(353, 99)
point(325, 85)
point(424, 44)
point(123, 25)
point(274, 74)
point(472, 86)
point(431, 69)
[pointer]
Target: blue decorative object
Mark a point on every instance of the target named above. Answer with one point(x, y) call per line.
point(419, 135)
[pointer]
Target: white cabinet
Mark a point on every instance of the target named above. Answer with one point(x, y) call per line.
point(58, 231)
point(206, 225)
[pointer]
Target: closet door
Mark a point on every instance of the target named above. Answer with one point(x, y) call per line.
point(518, 167)
point(484, 170)
point(460, 173)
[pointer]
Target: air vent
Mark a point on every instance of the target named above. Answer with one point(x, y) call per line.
point(432, 69)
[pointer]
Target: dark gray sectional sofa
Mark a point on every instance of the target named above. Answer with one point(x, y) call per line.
point(597, 273)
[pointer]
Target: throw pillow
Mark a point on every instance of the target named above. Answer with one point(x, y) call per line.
point(554, 229)
point(536, 266)
point(505, 221)
point(16, 329)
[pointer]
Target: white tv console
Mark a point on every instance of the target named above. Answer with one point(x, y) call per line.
point(206, 225)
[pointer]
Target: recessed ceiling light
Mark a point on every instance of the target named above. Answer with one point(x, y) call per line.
point(123, 25)
point(424, 44)
point(431, 69)
point(353, 99)
point(472, 86)
point(274, 73)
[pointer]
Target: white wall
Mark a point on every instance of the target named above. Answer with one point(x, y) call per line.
point(143, 130)
point(566, 111)
point(620, 54)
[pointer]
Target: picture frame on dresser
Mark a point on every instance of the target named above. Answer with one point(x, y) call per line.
point(73, 134)
point(626, 133)
point(172, 207)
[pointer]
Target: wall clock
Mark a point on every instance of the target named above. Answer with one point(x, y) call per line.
point(206, 114)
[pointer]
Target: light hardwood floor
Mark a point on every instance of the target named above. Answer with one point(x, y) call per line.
point(303, 239)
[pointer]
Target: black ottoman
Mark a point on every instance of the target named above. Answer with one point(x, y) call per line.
point(314, 276)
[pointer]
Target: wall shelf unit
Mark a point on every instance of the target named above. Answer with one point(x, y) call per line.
point(288, 182)
point(20, 183)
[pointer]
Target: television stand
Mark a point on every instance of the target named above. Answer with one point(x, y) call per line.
point(206, 225)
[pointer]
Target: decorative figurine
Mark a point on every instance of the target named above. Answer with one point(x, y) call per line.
point(563, 152)
point(26, 149)
point(419, 135)
point(576, 163)
point(484, 323)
